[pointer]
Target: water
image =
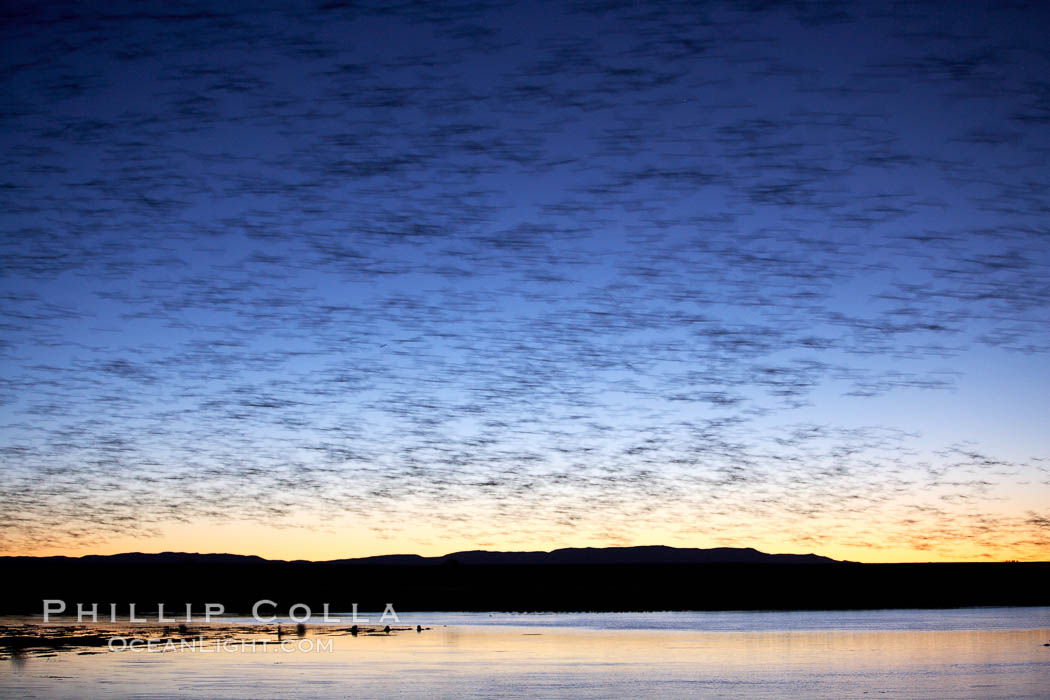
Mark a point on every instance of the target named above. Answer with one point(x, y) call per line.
point(745, 621)
point(984, 652)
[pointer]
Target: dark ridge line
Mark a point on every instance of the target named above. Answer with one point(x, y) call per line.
point(653, 554)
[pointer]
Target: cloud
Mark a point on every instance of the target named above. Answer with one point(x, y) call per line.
point(579, 276)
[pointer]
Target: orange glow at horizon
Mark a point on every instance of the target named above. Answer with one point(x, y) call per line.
point(290, 543)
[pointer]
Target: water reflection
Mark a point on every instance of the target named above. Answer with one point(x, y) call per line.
point(551, 661)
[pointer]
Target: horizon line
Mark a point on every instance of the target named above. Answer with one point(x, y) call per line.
point(495, 551)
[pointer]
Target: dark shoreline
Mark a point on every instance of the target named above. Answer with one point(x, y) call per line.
point(521, 587)
point(66, 635)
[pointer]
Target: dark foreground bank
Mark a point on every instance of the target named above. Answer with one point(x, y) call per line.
point(460, 585)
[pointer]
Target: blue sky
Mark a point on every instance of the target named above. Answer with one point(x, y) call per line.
point(327, 280)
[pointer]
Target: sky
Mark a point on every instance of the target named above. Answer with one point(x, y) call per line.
point(333, 279)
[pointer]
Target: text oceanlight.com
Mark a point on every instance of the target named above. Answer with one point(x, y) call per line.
point(200, 645)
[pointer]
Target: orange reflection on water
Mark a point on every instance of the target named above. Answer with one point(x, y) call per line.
point(558, 662)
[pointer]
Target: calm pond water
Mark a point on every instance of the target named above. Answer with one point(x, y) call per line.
point(983, 652)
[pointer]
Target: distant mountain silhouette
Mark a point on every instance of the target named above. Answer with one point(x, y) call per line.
point(573, 579)
point(657, 554)
point(143, 558)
